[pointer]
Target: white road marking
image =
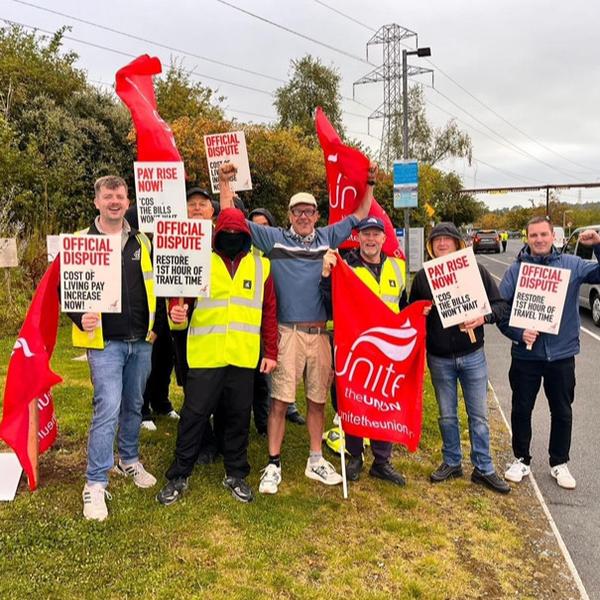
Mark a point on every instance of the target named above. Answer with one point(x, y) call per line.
point(594, 335)
point(555, 531)
point(506, 264)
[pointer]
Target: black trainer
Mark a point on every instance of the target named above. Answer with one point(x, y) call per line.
point(444, 472)
point(387, 472)
point(492, 481)
point(295, 417)
point(353, 468)
point(172, 491)
point(239, 489)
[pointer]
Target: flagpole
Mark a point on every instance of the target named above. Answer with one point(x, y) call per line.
point(343, 460)
point(33, 441)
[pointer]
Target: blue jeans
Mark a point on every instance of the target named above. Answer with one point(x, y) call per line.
point(119, 374)
point(471, 371)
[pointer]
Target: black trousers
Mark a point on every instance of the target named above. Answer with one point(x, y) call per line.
point(156, 394)
point(262, 399)
point(228, 391)
point(382, 451)
point(559, 384)
point(211, 439)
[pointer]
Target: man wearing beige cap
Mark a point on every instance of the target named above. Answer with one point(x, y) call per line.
point(296, 256)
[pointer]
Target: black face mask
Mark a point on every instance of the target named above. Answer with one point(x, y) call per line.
point(231, 244)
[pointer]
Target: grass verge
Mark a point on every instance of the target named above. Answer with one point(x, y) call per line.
point(454, 540)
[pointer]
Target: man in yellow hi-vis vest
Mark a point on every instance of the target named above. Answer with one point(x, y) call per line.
point(384, 276)
point(223, 347)
point(119, 350)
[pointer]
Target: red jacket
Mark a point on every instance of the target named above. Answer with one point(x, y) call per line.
point(232, 219)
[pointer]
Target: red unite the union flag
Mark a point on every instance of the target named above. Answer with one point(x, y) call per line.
point(134, 85)
point(28, 421)
point(347, 171)
point(379, 359)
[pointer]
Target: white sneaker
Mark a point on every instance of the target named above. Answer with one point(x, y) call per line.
point(173, 414)
point(517, 470)
point(563, 476)
point(149, 425)
point(270, 479)
point(323, 471)
point(94, 504)
point(141, 477)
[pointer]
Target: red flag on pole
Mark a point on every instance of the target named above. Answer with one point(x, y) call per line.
point(379, 362)
point(28, 421)
point(347, 170)
point(134, 85)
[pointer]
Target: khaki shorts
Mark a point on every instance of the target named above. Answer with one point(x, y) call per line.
point(302, 354)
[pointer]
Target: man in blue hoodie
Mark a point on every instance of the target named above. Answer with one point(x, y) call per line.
point(551, 358)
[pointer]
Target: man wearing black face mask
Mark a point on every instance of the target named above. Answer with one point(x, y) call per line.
point(223, 346)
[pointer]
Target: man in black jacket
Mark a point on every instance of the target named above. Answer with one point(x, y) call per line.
point(119, 350)
point(452, 357)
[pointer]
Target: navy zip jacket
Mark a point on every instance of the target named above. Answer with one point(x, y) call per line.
point(550, 347)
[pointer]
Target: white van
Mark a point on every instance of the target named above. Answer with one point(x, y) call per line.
point(559, 237)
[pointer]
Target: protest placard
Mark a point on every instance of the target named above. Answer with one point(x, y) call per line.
point(8, 252)
point(228, 147)
point(539, 298)
point(182, 256)
point(159, 192)
point(457, 288)
point(90, 273)
point(52, 246)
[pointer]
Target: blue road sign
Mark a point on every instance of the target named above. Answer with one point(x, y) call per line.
point(406, 182)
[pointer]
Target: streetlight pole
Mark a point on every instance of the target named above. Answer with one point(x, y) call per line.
point(564, 214)
point(405, 53)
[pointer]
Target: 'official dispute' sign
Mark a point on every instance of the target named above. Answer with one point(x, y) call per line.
point(457, 288)
point(182, 255)
point(90, 273)
point(159, 192)
point(228, 147)
point(539, 298)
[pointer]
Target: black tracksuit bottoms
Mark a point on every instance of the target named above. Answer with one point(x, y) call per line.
point(559, 384)
point(227, 390)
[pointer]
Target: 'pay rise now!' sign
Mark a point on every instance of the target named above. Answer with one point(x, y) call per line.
point(457, 288)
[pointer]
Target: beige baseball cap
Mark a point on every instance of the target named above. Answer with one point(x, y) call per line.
point(302, 198)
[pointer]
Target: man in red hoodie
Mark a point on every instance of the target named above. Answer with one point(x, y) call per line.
point(223, 346)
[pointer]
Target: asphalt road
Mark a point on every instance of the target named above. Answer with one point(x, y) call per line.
point(577, 512)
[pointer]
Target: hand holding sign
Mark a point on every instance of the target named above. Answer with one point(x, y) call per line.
point(90, 321)
point(529, 337)
point(539, 300)
point(178, 313)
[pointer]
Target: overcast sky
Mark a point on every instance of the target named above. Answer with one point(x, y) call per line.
point(535, 63)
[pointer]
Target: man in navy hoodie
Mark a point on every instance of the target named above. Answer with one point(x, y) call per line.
point(551, 358)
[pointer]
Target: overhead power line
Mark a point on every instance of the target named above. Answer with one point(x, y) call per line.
point(296, 33)
point(191, 72)
point(147, 41)
point(168, 47)
point(466, 91)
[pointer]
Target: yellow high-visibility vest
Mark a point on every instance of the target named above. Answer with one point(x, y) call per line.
point(95, 339)
point(225, 328)
point(391, 281)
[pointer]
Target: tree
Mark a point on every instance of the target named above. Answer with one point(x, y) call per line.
point(311, 84)
point(426, 144)
point(177, 96)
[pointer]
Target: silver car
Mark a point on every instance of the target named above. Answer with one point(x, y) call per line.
point(589, 294)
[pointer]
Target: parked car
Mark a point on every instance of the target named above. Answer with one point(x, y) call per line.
point(486, 239)
point(589, 294)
